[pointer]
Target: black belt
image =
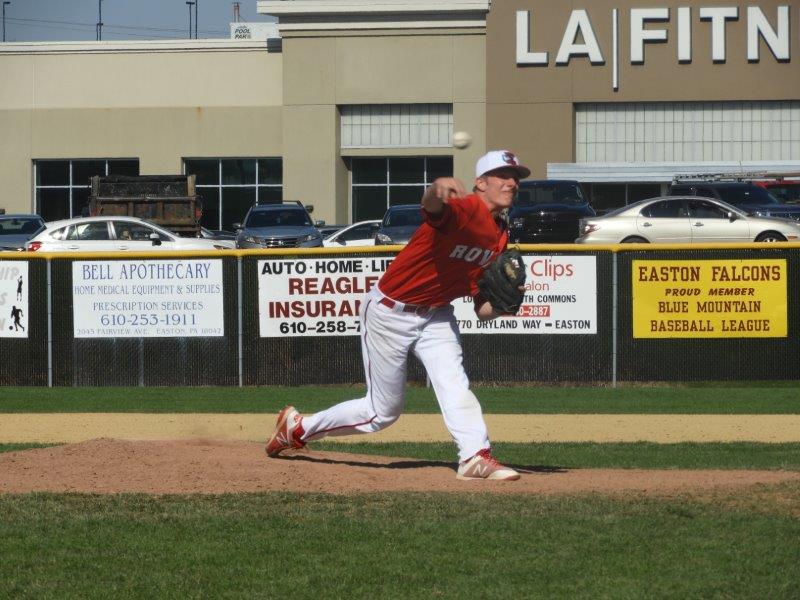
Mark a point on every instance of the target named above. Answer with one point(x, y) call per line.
point(409, 308)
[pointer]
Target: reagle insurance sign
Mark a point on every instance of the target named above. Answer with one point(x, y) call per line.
point(579, 40)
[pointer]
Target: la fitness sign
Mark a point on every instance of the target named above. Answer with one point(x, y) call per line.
point(579, 39)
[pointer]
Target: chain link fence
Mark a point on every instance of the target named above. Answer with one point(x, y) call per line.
point(52, 355)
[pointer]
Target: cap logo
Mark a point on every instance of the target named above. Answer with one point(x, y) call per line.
point(510, 159)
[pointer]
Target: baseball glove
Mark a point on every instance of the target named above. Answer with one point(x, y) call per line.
point(501, 281)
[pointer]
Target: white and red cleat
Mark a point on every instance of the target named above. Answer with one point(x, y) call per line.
point(287, 432)
point(484, 466)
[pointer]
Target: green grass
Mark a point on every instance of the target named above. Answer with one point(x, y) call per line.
point(577, 400)
point(15, 447)
point(397, 546)
point(546, 456)
point(639, 455)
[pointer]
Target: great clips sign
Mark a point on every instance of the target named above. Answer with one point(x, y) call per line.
point(765, 28)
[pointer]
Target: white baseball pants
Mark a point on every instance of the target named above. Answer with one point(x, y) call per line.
point(387, 336)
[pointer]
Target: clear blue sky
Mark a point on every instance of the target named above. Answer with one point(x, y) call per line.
point(68, 20)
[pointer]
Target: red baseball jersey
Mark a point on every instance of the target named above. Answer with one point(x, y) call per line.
point(446, 255)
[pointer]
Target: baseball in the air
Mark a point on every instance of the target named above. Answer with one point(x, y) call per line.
point(461, 139)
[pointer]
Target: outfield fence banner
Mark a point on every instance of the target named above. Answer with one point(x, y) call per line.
point(14, 299)
point(709, 298)
point(147, 298)
point(560, 298)
point(314, 297)
point(713, 284)
point(630, 313)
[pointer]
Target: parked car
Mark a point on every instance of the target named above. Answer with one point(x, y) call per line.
point(547, 211)
point(328, 230)
point(357, 234)
point(685, 219)
point(15, 230)
point(102, 234)
point(286, 225)
point(751, 198)
point(785, 190)
point(224, 238)
point(398, 224)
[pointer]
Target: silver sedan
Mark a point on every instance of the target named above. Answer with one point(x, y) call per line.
point(670, 220)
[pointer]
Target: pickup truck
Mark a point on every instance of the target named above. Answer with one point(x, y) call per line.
point(166, 200)
point(547, 211)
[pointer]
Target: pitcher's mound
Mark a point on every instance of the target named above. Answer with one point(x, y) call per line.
point(109, 466)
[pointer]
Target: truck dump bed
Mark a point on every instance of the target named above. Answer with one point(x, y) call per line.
point(166, 200)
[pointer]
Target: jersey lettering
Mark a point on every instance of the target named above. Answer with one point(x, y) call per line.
point(446, 255)
point(472, 254)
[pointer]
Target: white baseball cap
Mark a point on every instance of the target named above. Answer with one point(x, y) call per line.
point(500, 159)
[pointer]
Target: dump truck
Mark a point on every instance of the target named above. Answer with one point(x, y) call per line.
point(166, 200)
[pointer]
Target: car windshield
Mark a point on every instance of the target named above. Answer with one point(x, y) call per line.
point(746, 194)
point(786, 192)
point(403, 218)
point(278, 218)
point(549, 192)
point(19, 226)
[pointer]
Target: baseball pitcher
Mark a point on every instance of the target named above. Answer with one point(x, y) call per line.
point(460, 250)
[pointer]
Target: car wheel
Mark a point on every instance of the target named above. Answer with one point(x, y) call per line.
point(770, 236)
point(635, 239)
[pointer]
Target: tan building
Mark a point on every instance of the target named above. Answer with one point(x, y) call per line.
point(354, 107)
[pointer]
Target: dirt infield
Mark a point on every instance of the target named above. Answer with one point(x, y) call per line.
point(213, 453)
point(78, 427)
point(107, 466)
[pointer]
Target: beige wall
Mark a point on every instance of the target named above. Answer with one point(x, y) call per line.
point(538, 132)
point(15, 163)
point(469, 117)
point(140, 79)
point(158, 107)
point(311, 169)
point(367, 69)
point(324, 71)
point(161, 106)
point(529, 108)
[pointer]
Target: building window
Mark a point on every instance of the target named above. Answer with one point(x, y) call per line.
point(687, 131)
point(228, 187)
point(396, 125)
point(378, 183)
point(61, 188)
